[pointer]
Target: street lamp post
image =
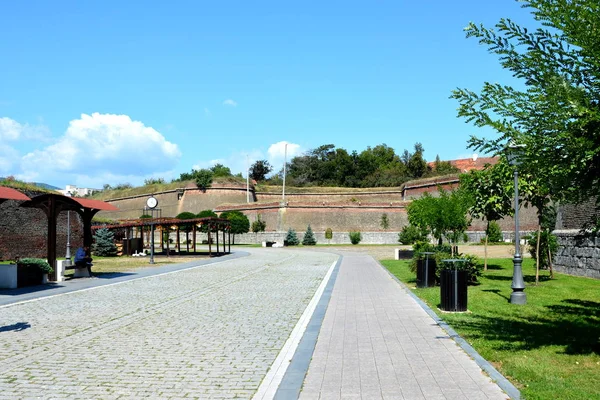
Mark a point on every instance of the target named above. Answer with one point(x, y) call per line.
point(518, 296)
point(68, 252)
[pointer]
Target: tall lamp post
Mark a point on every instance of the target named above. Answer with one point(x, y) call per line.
point(68, 252)
point(514, 155)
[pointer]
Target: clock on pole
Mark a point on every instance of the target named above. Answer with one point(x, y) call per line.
point(151, 202)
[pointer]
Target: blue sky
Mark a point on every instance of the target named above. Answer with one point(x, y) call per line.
point(119, 91)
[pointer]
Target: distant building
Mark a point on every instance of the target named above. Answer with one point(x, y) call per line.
point(73, 190)
point(468, 164)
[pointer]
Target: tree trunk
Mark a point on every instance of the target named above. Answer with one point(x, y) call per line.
point(485, 249)
point(537, 256)
point(550, 263)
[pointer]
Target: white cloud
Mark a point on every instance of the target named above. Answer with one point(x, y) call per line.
point(11, 130)
point(103, 146)
point(277, 152)
point(230, 103)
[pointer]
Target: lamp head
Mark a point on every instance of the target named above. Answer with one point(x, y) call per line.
point(514, 153)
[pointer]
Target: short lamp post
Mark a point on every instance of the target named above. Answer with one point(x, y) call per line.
point(68, 252)
point(514, 155)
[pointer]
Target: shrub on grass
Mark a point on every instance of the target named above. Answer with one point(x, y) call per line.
point(292, 238)
point(309, 237)
point(355, 237)
point(494, 232)
point(104, 245)
point(38, 263)
point(411, 234)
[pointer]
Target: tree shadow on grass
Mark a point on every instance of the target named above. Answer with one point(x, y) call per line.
point(495, 267)
point(498, 292)
point(573, 325)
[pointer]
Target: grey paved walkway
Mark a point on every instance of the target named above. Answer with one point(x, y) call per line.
point(376, 342)
point(206, 332)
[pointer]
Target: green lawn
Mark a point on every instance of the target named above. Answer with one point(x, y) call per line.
point(549, 348)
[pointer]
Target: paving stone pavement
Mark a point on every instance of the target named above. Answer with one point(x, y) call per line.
point(376, 342)
point(206, 332)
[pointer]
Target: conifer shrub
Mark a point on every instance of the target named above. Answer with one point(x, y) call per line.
point(291, 239)
point(355, 237)
point(104, 245)
point(309, 237)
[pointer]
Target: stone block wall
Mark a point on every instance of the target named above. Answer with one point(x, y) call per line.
point(577, 254)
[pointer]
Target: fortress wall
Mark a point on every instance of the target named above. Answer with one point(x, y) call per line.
point(347, 198)
point(176, 201)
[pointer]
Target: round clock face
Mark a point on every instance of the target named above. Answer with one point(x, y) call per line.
point(151, 202)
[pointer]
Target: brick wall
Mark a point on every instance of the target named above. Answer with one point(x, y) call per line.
point(571, 216)
point(23, 231)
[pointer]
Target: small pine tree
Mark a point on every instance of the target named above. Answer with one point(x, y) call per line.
point(104, 243)
point(355, 237)
point(309, 237)
point(291, 238)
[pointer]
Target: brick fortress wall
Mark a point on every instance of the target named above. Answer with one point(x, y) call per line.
point(23, 231)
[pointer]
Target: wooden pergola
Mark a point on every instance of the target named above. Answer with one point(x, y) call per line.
point(209, 225)
point(53, 204)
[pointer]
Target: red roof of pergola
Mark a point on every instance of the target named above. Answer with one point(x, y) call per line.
point(95, 204)
point(7, 193)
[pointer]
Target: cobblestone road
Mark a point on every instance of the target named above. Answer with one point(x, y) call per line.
point(207, 332)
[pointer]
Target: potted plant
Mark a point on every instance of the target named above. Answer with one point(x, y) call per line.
point(32, 271)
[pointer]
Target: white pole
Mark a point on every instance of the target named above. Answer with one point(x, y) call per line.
point(247, 180)
point(284, 168)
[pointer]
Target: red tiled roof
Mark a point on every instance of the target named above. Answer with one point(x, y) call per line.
point(7, 193)
point(468, 164)
point(95, 204)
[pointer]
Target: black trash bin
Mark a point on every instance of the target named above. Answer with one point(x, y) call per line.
point(453, 286)
point(426, 270)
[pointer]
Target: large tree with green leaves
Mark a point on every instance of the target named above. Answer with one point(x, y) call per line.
point(491, 195)
point(260, 169)
point(444, 216)
point(239, 222)
point(556, 111)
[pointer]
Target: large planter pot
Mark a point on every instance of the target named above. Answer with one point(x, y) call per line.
point(426, 273)
point(453, 290)
point(28, 276)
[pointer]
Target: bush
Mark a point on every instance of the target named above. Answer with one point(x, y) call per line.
point(258, 225)
point(494, 232)
point(471, 265)
point(104, 243)
point(38, 263)
point(422, 246)
point(309, 237)
point(355, 237)
point(546, 239)
point(328, 234)
point(291, 238)
point(411, 234)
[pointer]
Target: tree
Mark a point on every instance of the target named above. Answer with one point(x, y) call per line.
point(557, 113)
point(442, 216)
point(239, 222)
point(309, 237)
point(328, 234)
point(417, 166)
point(384, 222)
point(219, 170)
point(204, 178)
point(153, 181)
point(259, 225)
point(104, 243)
point(490, 191)
point(260, 169)
point(206, 214)
point(291, 238)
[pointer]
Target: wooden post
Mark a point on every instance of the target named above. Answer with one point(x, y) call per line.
point(209, 245)
point(194, 238)
point(178, 241)
point(168, 234)
point(229, 234)
point(217, 235)
point(224, 251)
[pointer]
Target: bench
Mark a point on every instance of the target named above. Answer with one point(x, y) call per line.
point(80, 271)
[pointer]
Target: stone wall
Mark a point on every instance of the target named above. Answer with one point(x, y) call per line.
point(24, 231)
point(571, 216)
point(338, 237)
point(577, 255)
